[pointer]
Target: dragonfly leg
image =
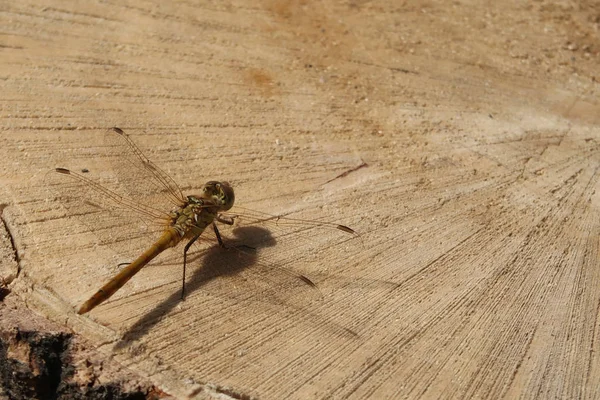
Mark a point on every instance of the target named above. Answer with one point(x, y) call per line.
point(221, 240)
point(185, 250)
point(225, 220)
point(218, 235)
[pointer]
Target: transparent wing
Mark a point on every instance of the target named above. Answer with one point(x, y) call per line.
point(243, 273)
point(262, 249)
point(263, 253)
point(240, 271)
point(248, 216)
point(119, 195)
point(139, 177)
point(102, 211)
point(295, 237)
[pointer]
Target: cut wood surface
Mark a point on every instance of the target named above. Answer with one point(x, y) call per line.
point(461, 142)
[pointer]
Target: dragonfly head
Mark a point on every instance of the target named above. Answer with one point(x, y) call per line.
point(220, 193)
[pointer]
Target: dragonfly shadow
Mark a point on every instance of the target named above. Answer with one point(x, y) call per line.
point(241, 255)
point(217, 262)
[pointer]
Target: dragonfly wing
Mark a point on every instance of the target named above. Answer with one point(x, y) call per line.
point(244, 273)
point(294, 237)
point(281, 222)
point(239, 274)
point(139, 177)
point(263, 253)
point(101, 211)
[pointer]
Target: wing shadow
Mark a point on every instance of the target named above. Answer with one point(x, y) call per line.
point(217, 262)
point(221, 263)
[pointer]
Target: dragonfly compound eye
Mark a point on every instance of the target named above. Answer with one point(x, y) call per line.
point(227, 195)
point(220, 193)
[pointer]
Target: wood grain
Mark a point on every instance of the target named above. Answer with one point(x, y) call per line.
point(461, 141)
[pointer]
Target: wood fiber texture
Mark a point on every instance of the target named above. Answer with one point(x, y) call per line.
point(460, 140)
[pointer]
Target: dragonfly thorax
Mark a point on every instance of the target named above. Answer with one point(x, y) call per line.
point(200, 210)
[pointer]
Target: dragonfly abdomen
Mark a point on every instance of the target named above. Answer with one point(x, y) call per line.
point(168, 239)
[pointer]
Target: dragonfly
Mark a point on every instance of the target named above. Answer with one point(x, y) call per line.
point(185, 221)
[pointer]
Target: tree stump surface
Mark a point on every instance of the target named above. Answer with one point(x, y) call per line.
point(461, 141)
